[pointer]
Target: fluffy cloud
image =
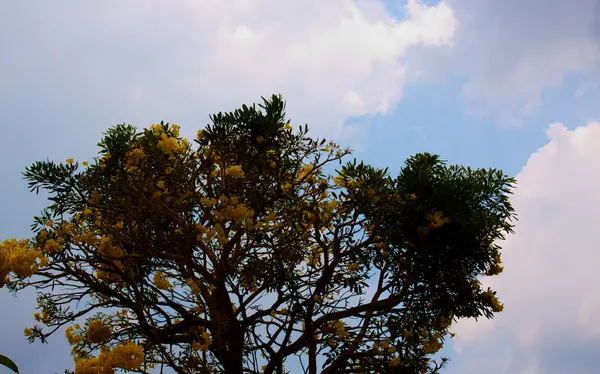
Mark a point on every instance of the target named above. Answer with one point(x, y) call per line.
point(551, 278)
point(510, 51)
point(152, 60)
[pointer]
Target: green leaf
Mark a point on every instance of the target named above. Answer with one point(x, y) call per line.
point(5, 361)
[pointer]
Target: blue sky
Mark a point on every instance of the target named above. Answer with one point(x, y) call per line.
point(511, 85)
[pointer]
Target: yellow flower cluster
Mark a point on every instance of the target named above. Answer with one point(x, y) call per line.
point(432, 345)
point(73, 337)
point(490, 298)
point(235, 171)
point(98, 332)
point(194, 287)
point(19, 257)
point(208, 202)
point(314, 259)
point(43, 317)
point(160, 280)
point(437, 219)
point(53, 246)
point(305, 172)
point(132, 159)
point(87, 237)
point(344, 181)
point(495, 267)
point(384, 345)
point(353, 267)
point(232, 209)
point(126, 355)
point(168, 144)
point(107, 248)
point(338, 328)
point(104, 159)
point(202, 338)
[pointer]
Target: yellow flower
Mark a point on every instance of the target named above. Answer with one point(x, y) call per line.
point(84, 163)
point(44, 261)
point(495, 267)
point(339, 180)
point(235, 171)
point(339, 328)
point(72, 336)
point(104, 159)
point(208, 202)
point(437, 219)
point(161, 281)
point(331, 205)
point(70, 161)
point(17, 256)
point(201, 134)
point(489, 297)
point(127, 355)
point(175, 129)
point(304, 172)
point(353, 267)
point(194, 288)
point(28, 332)
point(205, 339)
point(168, 145)
point(52, 246)
point(97, 332)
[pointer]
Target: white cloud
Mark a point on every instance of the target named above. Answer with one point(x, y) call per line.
point(551, 281)
point(178, 61)
point(510, 51)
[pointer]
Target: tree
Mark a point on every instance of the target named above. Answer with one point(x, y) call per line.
point(241, 254)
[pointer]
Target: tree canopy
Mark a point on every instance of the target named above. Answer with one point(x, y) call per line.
point(245, 251)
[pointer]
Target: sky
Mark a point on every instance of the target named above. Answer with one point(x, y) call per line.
point(510, 84)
